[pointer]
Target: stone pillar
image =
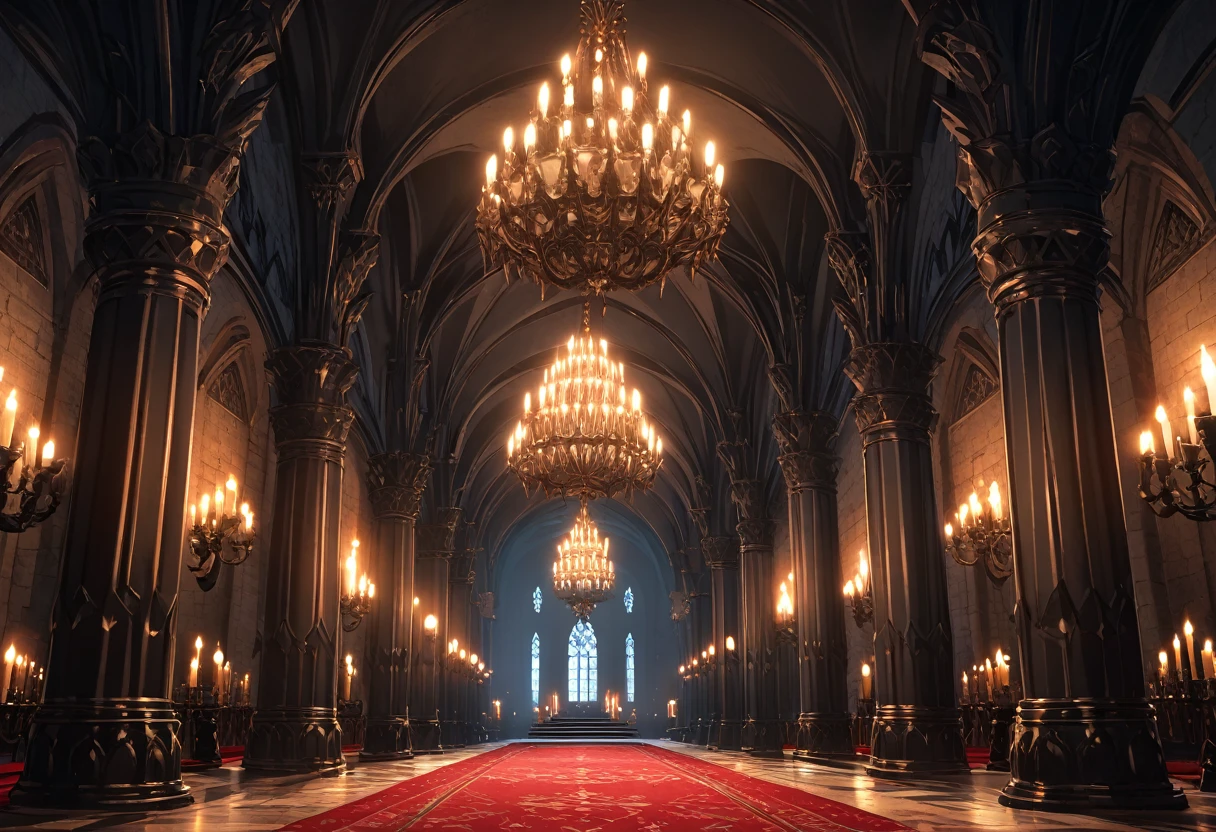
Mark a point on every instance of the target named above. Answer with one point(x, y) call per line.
point(917, 729)
point(435, 545)
point(395, 482)
point(295, 727)
point(809, 465)
point(1085, 736)
point(721, 555)
point(460, 598)
point(155, 238)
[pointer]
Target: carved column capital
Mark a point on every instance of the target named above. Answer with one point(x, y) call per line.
point(312, 417)
point(438, 539)
point(884, 177)
point(720, 552)
point(331, 177)
point(395, 483)
point(755, 534)
point(894, 381)
point(805, 440)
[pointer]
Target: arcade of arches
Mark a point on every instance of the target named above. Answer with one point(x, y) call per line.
point(971, 249)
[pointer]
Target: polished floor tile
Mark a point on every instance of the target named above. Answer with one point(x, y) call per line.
point(228, 799)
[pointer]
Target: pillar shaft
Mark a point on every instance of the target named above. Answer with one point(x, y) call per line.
point(809, 466)
point(155, 240)
point(395, 483)
point(917, 728)
point(721, 555)
point(1040, 250)
point(295, 727)
point(763, 732)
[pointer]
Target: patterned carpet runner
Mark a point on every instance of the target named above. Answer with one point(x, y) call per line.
point(598, 788)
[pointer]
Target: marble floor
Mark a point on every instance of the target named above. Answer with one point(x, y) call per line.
point(227, 799)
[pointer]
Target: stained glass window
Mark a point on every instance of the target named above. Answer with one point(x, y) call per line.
point(629, 599)
point(535, 669)
point(583, 659)
point(629, 668)
point(536, 599)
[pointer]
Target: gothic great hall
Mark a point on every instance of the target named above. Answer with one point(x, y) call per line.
point(601, 415)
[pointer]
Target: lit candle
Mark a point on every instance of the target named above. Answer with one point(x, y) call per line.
point(218, 658)
point(1208, 368)
point(10, 657)
point(351, 569)
point(48, 453)
point(1209, 668)
point(204, 506)
point(8, 420)
point(1177, 654)
point(866, 682)
point(231, 486)
point(1166, 433)
point(31, 449)
point(1165, 665)
point(1189, 632)
point(1146, 443)
point(994, 500)
point(194, 672)
point(966, 690)
point(988, 676)
point(1188, 398)
point(863, 571)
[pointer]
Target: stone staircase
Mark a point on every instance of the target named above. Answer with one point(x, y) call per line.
point(583, 728)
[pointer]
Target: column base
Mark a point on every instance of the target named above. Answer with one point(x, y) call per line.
point(725, 735)
point(763, 738)
point(295, 741)
point(386, 739)
point(451, 734)
point(1002, 736)
point(825, 737)
point(426, 736)
point(917, 741)
point(103, 754)
point(1084, 754)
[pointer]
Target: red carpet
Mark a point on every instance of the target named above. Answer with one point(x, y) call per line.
point(601, 787)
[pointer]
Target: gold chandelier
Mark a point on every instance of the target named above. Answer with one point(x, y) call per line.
point(586, 437)
point(606, 191)
point(583, 576)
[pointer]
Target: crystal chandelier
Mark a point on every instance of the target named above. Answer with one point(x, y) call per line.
point(582, 573)
point(587, 437)
point(606, 191)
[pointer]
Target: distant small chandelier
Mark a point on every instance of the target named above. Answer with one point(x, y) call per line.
point(586, 437)
point(606, 191)
point(583, 575)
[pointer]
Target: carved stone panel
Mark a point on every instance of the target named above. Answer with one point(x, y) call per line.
point(21, 239)
point(229, 391)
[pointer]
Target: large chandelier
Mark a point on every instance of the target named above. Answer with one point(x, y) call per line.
point(586, 437)
point(582, 573)
point(606, 191)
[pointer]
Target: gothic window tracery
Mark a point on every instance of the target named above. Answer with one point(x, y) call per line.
point(583, 661)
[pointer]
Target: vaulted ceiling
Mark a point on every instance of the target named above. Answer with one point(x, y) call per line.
point(792, 91)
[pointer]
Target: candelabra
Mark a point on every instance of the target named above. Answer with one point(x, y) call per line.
point(34, 482)
point(1181, 487)
point(217, 537)
point(983, 536)
point(859, 593)
point(356, 601)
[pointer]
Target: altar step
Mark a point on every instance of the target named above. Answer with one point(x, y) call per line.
point(585, 727)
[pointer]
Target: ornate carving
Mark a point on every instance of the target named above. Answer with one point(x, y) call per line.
point(849, 256)
point(1174, 239)
point(292, 740)
point(396, 482)
point(21, 239)
point(805, 440)
point(228, 390)
point(1064, 132)
point(103, 753)
point(755, 533)
point(977, 388)
point(720, 552)
point(330, 178)
point(438, 540)
point(894, 381)
point(1111, 747)
point(485, 603)
point(312, 374)
point(885, 179)
point(915, 739)
point(336, 303)
point(825, 736)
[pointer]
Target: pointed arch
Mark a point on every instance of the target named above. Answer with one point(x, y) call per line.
point(583, 656)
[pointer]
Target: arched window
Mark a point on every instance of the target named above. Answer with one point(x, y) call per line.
point(629, 599)
point(629, 668)
point(536, 599)
point(535, 669)
point(582, 667)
